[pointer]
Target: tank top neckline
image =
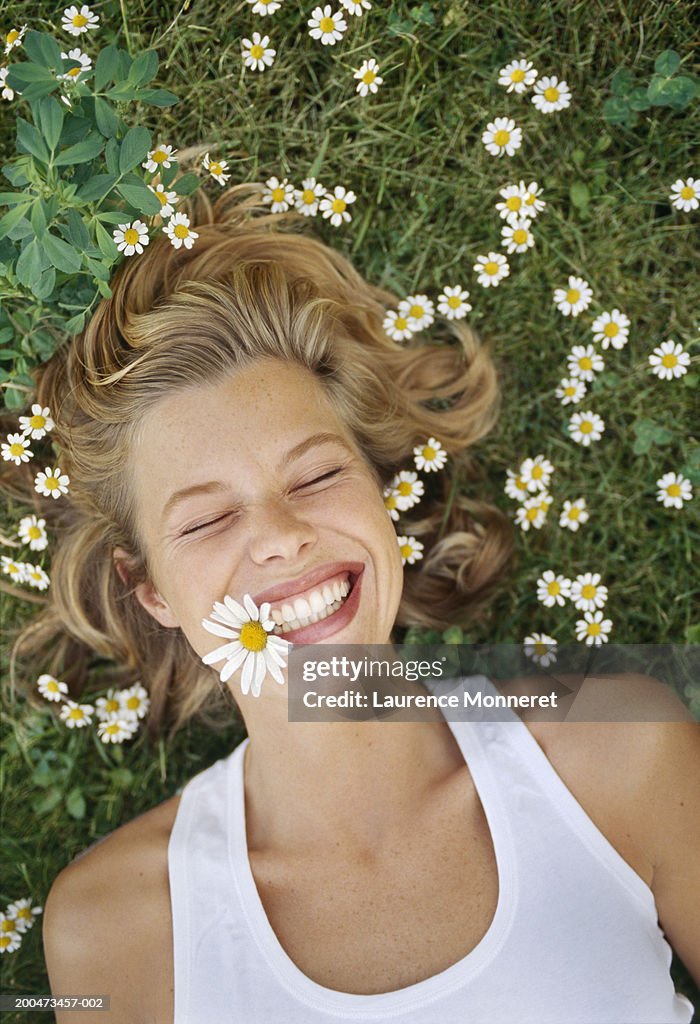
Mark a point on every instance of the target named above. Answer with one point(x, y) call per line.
point(387, 1004)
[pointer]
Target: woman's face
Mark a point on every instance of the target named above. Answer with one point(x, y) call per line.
point(279, 503)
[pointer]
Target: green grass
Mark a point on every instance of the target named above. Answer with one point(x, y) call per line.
point(426, 191)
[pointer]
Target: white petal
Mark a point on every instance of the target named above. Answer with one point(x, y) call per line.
point(220, 630)
point(221, 652)
point(236, 608)
point(251, 607)
point(232, 664)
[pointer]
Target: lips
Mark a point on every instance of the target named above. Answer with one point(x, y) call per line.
point(288, 592)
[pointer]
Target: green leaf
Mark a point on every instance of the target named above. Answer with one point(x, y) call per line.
point(108, 246)
point(62, 255)
point(144, 68)
point(77, 233)
point(96, 187)
point(681, 91)
point(52, 797)
point(157, 97)
point(616, 110)
point(168, 174)
point(141, 198)
point(42, 49)
point(75, 324)
point(106, 66)
point(579, 194)
point(51, 114)
point(29, 264)
point(45, 285)
point(134, 148)
point(122, 92)
point(75, 803)
point(187, 184)
point(638, 99)
point(12, 198)
point(105, 117)
point(81, 152)
point(98, 270)
point(112, 157)
point(112, 216)
point(656, 91)
point(667, 63)
point(8, 222)
point(29, 138)
point(38, 217)
point(692, 634)
point(104, 289)
point(21, 75)
point(622, 82)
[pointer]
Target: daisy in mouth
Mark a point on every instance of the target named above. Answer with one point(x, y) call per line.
point(249, 628)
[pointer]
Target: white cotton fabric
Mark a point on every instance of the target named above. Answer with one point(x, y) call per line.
point(574, 940)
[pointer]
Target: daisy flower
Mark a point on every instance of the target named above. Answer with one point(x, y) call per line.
point(131, 238)
point(536, 473)
point(251, 643)
point(264, 7)
point(541, 648)
point(513, 203)
point(135, 700)
point(515, 486)
point(491, 269)
point(411, 550)
point(429, 457)
point(550, 94)
point(115, 730)
point(13, 569)
point(279, 193)
point(306, 198)
point(573, 300)
point(335, 203)
point(38, 424)
point(356, 7)
point(585, 427)
point(593, 628)
point(397, 326)
point(501, 136)
point(368, 77)
point(257, 55)
point(685, 195)
point(216, 167)
point(33, 532)
point(35, 576)
point(325, 26)
point(391, 503)
point(77, 21)
point(161, 156)
point(179, 231)
point(584, 362)
point(166, 199)
point(669, 360)
point(16, 449)
point(518, 76)
point(10, 937)
point(573, 514)
point(588, 593)
point(611, 329)
point(532, 512)
point(75, 715)
point(14, 38)
point(533, 203)
point(408, 489)
point(452, 303)
point(22, 913)
point(85, 64)
point(517, 236)
point(7, 93)
point(553, 589)
point(571, 390)
point(674, 489)
point(109, 706)
point(50, 687)
point(418, 310)
point(51, 482)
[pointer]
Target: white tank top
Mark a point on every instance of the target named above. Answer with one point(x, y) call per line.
point(574, 940)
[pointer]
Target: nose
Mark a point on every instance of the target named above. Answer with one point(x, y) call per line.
point(278, 531)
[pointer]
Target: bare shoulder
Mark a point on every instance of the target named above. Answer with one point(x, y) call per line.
point(107, 925)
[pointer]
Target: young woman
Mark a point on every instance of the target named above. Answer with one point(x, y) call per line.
point(229, 420)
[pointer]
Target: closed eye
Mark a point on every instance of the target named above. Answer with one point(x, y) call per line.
point(200, 526)
point(319, 479)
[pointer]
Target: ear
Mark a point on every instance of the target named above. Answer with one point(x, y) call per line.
point(146, 592)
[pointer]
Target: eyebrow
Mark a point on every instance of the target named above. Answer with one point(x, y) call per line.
point(217, 487)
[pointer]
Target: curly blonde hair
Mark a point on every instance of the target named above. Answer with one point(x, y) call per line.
point(249, 288)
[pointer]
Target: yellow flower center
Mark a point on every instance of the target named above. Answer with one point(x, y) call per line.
point(687, 192)
point(16, 448)
point(8, 926)
point(215, 168)
point(338, 205)
point(593, 628)
point(573, 295)
point(51, 483)
point(401, 323)
point(406, 550)
point(586, 427)
point(369, 76)
point(574, 512)
point(163, 198)
point(589, 591)
point(532, 513)
point(521, 484)
point(308, 196)
point(112, 728)
point(454, 302)
point(257, 52)
point(5, 941)
point(540, 648)
point(669, 360)
point(73, 72)
point(79, 20)
point(551, 94)
point(76, 713)
point(34, 575)
point(34, 532)
point(554, 588)
point(530, 199)
point(12, 36)
point(570, 391)
point(390, 501)
point(491, 268)
point(514, 203)
point(159, 156)
point(586, 363)
point(112, 705)
point(181, 231)
point(25, 913)
point(520, 236)
point(517, 75)
point(673, 490)
point(133, 703)
point(429, 452)
point(253, 636)
point(131, 236)
point(278, 195)
point(537, 472)
point(13, 568)
point(501, 137)
point(416, 311)
point(37, 422)
point(326, 24)
point(405, 488)
point(611, 330)
point(52, 686)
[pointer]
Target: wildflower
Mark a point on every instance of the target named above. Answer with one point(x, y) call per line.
point(550, 94)
point(491, 269)
point(22, 913)
point(397, 326)
point(515, 486)
point(408, 489)
point(257, 55)
point(334, 205)
point(536, 473)
point(418, 310)
point(13, 569)
point(76, 716)
point(77, 21)
point(279, 193)
point(452, 303)
point(429, 457)
point(518, 76)
point(14, 38)
point(411, 550)
point(50, 687)
point(51, 483)
point(325, 26)
point(10, 937)
point(553, 589)
point(35, 576)
point(533, 203)
point(131, 238)
point(356, 7)
point(574, 299)
point(32, 531)
point(135, 700)
point(216, 168)
point(84, 62)
point(611, 329)
point(391, 502)
point(7, 93)
point(368, 77)
point(501, 136)
point(584, 362)
point(517, 236)
point(249, 628)
point(38, 424)
point(306, 198)
point(532, 513)
point(541, 648)
point(264, 7)
point(669, 360)
point(166, 199)
point(179, 231)
point(16, 449)
point(685, 195)
point(573, 513)
point(593, 628)
point(115, 730)
point(674, 489)
point(513, 201)
point(571, 390)
point(109, 706)
point(161, 156)
point(588, 593)
point(585, 427)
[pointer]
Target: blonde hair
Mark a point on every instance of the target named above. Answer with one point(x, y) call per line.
point(248, 289)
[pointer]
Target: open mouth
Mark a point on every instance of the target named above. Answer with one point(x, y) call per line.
point(313, 605)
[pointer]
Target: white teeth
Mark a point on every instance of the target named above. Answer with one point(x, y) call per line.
point(344, 588)
point(328, 594)
point(336, 590)
point(316, 601)
point(306, 610)
point(305, 621)
point(302, 608)
point(276, 615)
point(287, 612)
